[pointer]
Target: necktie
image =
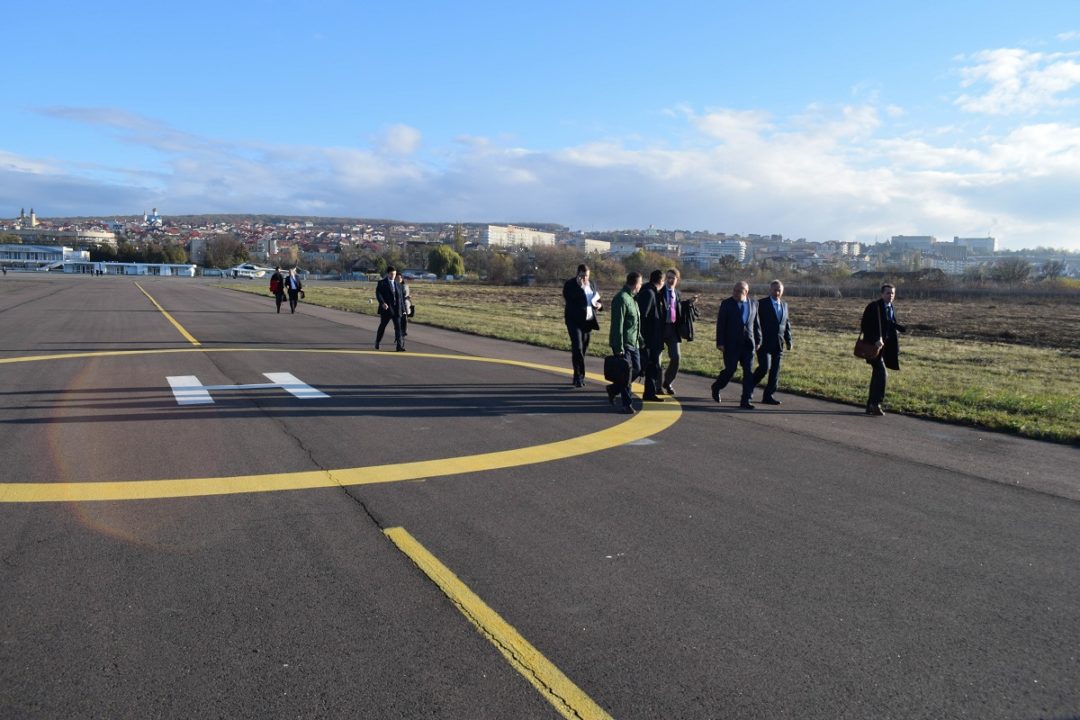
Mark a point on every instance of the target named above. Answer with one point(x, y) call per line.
point(671, 306)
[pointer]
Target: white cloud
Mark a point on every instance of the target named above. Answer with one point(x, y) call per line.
point(399, 140)
point(1014, 81)
point(1067, 36)
point(827, 173)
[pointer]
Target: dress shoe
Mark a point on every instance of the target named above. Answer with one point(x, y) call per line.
point(715, 392)
point(770, 401)
point(875, 410)
point(669, 390)
point(653, 398)
point(400, 349)
point(376, 346)
point(611, 395)
point(628, 410)
point(746, 406)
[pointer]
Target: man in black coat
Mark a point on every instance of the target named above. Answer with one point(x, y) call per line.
point(672, 310)
point(738, 336)
point(776, 333)
point(652, 333)
point(879, 325)
point(582, 304)
point(391, 303)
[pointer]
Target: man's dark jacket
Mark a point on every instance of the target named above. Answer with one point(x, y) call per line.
point(577, 305)
point(652, 322)
point(391, 294)
point(735, 336)
point(775, 331)
point(875, 323)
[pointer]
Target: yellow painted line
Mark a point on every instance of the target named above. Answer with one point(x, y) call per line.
point(188, 336)
point(555, 687)
point(653, 419)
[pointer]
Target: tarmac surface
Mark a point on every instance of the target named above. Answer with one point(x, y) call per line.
point(255, 555)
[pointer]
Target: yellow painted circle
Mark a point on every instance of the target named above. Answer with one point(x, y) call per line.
point(653, 419)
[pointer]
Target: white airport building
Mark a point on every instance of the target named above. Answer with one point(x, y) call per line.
point(45, 258)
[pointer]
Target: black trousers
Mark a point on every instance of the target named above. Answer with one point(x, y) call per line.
point(278, 299)
point(579, 345)
point(634, 357)
point(878, 377)
point(387, 318)
point(768, 363)
point(733, 361)
point(294, 297)
point(651, 362)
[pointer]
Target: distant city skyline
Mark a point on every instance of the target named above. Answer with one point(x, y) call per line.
point(829, 121)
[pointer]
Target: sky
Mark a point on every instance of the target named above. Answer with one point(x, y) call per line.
point(824, 120)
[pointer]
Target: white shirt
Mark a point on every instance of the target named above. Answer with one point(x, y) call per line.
point(591, 298)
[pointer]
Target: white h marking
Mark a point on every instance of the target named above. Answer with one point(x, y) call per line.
point(189, 391)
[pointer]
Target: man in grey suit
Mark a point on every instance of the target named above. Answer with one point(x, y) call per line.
point(776, 333)
point(738, 336)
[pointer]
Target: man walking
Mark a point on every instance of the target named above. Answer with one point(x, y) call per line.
point(582, 303)
point(625, 338)
point(776, 333)
point(389, 296)
point(879, 325)
point(738, 336)
point(672, 310)
point(652, 333)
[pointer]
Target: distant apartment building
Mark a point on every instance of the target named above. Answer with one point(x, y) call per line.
point(669, 249)
point(588, 245)
point(923, 243)
point(706, 254)
point(978, 245)
point(512, 235)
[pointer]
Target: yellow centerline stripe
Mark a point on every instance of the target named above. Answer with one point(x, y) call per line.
point(555, 687)
point(170, 318)
point(653, 419)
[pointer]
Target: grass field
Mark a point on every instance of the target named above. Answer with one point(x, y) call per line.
point(1014, 368)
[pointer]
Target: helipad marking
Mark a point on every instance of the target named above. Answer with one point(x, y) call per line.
point(653, 419)
point(189, 391)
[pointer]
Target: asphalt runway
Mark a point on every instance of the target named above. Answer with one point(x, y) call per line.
point(456, 532)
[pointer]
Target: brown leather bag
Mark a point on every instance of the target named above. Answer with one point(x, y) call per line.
point(868, 350)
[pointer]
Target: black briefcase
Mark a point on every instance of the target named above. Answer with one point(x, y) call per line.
point(617, 370)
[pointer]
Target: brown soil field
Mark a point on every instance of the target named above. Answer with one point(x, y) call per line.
point(1021, 321)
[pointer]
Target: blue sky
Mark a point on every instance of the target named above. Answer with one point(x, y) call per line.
point(826, 120)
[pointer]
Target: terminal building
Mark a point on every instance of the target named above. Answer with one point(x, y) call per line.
point(46, 258)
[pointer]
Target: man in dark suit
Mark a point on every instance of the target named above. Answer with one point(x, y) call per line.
point(738, 336)
point(652, 334)
point(879, 325)
point(672, 310)
point(391, 302)
point(582, 304)
point(776, 333)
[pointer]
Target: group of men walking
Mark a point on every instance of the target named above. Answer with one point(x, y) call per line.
point(649, 318)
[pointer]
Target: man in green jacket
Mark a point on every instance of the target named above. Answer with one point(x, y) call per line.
point(625, 338)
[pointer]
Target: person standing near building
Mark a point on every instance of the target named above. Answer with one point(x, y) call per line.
point(738, 336)
point(625, 338)
point(277, 287)
point(879, 325)
point(652, 333)
point(776, 333)
point(582, 303)
point(295, 288)
point(388, 295)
